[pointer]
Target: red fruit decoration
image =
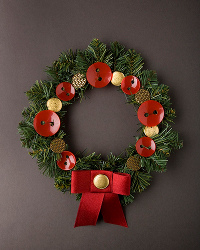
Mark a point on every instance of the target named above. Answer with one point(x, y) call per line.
point(150, 113)
point(99, 75)
point(65, 91)
point(67, 161)
point(46, 123)
point(145, 146)
point(130, 85)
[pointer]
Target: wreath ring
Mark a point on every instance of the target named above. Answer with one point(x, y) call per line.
point(42, 127)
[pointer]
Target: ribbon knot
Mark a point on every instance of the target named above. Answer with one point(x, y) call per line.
point(100, 194)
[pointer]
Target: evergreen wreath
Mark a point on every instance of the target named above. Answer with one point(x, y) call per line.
point(141, 88)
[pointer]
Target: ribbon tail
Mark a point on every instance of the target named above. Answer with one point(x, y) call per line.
point(112, 210)
point(89, 209)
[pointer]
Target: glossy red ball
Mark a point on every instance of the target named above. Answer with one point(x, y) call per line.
point(145, 146)
point(99, 75)
point(150, 113)
point(46, 123)
point(65, 91)
point(67, 161)
point(130, 85)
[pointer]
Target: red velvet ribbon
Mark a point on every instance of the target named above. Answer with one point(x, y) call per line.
point(94, 199)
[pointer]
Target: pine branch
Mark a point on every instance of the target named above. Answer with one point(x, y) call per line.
point(83, 61)
point(125, 200)
point(140, 181)
point(40, 92)
point(63, 183)
point(130, 63)
point(114, 163)
point(167, 140)
point(27, 133)
point(149, 78)
point(91, 161)
point(63, 69)
point(118, 51)
point(47, 163)
point(99, 52)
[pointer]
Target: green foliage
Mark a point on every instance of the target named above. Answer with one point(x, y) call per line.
point(40, 92)
point(70, 63)
point(99, 52)
point(83, 61)
point(114, 163)
point(27, 133)
point(125, 200)
point(158, 92)
point(130, 63)
point(62, 69)
point(118, 51)
point(63, 183)
point(89, 162)
point(167, 140)
point(140, 182)
point(96, 52)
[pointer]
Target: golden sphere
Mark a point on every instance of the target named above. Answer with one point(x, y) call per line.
point(101, 181)
point(151, 131)
point(117, 78)
point(54, 104)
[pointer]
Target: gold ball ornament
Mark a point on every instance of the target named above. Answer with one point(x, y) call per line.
point(57, 145)
point(101, 181)
point(151, 131)
point(133, 163)
point(142, 95)
point(78, 81)
point(54, 104)
point(117, 78)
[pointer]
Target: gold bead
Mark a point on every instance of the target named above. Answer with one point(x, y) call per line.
point(133, 163)
point(57, 145)
point(54, 104)
point(151, 131)
point(142, 95)
point(101, 181)
point(117, 78)
point(78, 81)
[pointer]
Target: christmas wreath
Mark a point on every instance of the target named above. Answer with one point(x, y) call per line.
point(101, 184)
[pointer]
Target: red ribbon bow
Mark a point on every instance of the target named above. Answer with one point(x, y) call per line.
point(95, 199)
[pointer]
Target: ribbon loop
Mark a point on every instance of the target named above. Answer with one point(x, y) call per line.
point(121, 183)
point(95, 199)
point(80, 181)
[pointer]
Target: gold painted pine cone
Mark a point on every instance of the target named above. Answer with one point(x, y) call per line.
point(142, 95)
point(57, 145)
point(133, 163)
point(78, 81)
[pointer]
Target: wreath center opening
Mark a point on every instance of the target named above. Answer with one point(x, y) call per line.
point(103, 122)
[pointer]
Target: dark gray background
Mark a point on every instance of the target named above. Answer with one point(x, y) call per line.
point(33, 214)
